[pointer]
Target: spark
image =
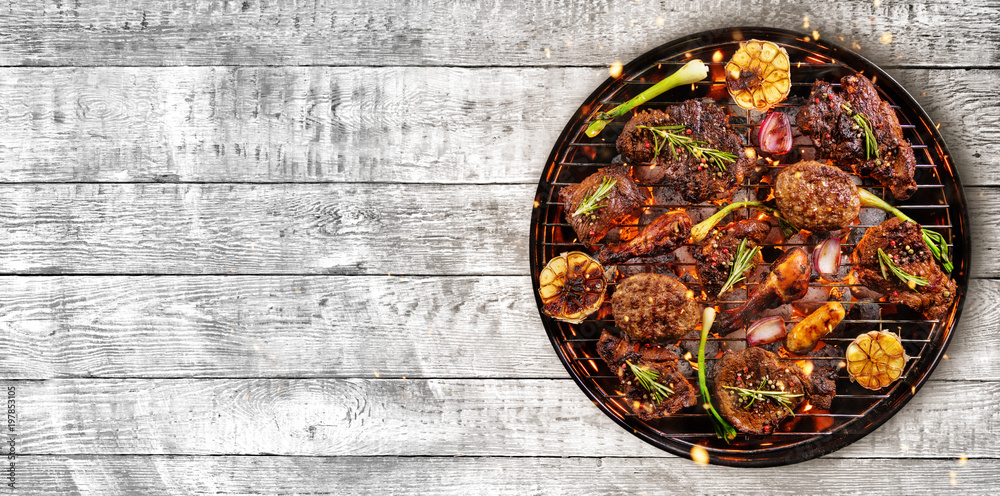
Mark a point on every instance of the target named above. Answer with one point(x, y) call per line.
point(616, 69)
point(699, 455)
point(886, 38)
point(816, 35)
point(805, 22)
point(548, 53)
point(660, 21)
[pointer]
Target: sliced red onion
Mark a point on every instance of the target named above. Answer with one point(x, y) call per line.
point(826, 257)
point(766, 330)
point(775, 134)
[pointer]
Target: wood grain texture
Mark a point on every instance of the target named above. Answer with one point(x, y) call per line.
point(325, 327)
point(261, 229)
point(439, 32)
point(378, 476)
point(350, 124)
point(393, 417)
point(408, 229)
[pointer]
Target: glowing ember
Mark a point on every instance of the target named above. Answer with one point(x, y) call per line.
point(806, 366)
point(816, 35)
point(877, 3)
point(660, 21)
point(807, 407)
point(548, 53)
point(962, 460)
point(751, 153)
point(700, 455)
point(616, 69)
point(717, 56)
point(886, 38)
point(855, 45)
point(954, 477)
point(805, 22)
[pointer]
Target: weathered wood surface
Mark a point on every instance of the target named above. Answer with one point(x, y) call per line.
point(350, 124)
point(422, 417)
point(240, 333)
point(325, 327)
point(572, 476)
point(406, 229)
point(441, 32)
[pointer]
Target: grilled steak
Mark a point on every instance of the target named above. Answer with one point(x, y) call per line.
point(903, 242)
point(663, 235)
point(816, 197)
point(827, 119)
point(618, 353)
point(715, 254)
point(623, 203)
point(654, 308)
point(756, 369)
point(695, 178)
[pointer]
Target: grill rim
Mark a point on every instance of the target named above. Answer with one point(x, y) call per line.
point(877, 414)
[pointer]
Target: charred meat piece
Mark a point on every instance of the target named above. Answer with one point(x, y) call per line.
point(829, 120)
point(816, 197)
point(780, 387)
point(622, 355)
point(715, 254)
point(663, 235)
point(787, 282)
point(654, 308)
point(903, 243)
point(608, 197)
point(696, 178)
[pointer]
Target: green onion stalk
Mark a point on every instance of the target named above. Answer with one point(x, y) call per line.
point(722, 428)
point(933, 239)
point(692, 72)
point(700, 230)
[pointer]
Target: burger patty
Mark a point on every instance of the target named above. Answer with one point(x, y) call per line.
point(654, 308)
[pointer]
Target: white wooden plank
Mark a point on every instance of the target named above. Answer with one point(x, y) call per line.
point(325, 327)
point(393, 417)
point(438, 32)
point(463, 475)
point(261, 229)
point(350, 124)
point(412, 229)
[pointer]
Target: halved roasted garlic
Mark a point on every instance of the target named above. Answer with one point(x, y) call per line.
point(572, 287)
point(758, 75)
point(875, 359)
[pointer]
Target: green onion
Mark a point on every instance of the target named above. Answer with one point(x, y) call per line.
point(692, 72)
point(934, 240)
point(722, 428)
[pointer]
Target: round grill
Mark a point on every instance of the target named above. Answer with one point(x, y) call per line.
point(938, 203)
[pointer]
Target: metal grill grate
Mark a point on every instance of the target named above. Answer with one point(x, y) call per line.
point(937, 204)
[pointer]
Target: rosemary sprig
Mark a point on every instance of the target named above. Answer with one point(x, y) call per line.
point(589, 203)
point(741, 262)
point(871, 146)
point(911, 280)
point(783, 398)
point(694, 147)
point(648, 380)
